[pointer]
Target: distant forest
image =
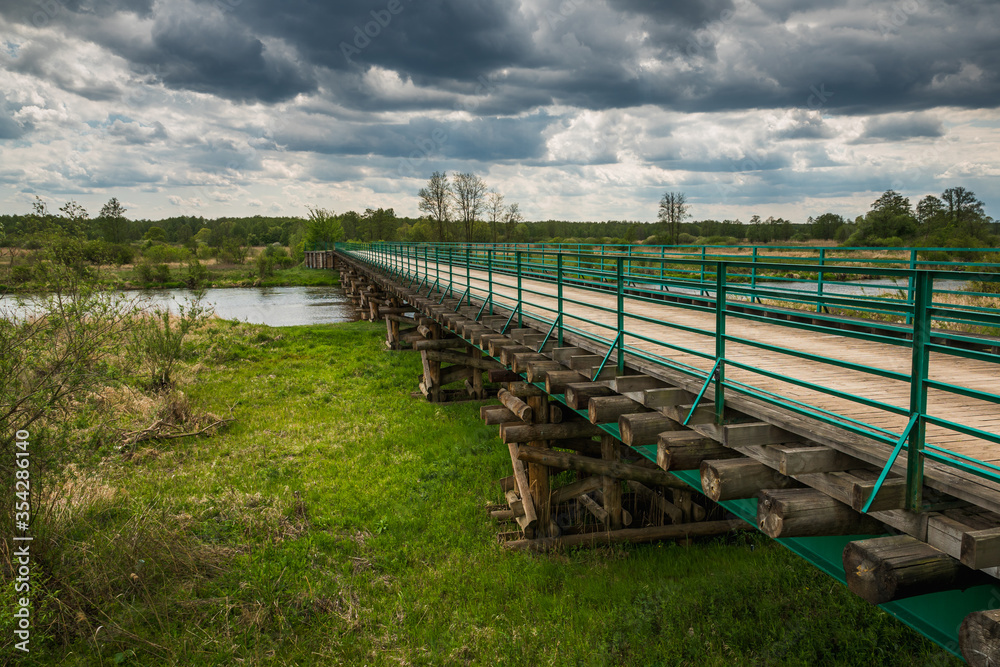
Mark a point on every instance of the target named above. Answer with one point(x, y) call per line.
point(956, 218)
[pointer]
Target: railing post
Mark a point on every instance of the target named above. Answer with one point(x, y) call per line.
point(451, 271)
point(922, 297)
point(520, 319)
point(619, 266)
point(559, 295)
point(910, 283)
point(753, 273)
point(819, 281)
point(720, 340)
point(468, 279)
point(489, 270)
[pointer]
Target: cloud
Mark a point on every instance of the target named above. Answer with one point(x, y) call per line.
point(900, 127)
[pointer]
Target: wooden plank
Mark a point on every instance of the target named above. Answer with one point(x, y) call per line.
point(538, 370)
point(631, 383)
point(758, 433)
point(685, 450)
point(808, 513)
point(669, 397)
point(578, 394)
point(606, 409)
point(981, 548)
point(557, 381)
point(523, 490)
point(732, 479)
point(806, 460)
point(644, 428)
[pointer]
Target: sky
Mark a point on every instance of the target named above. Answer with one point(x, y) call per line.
point(575, 109)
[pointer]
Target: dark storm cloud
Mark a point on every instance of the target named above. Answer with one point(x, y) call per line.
point(900, 129)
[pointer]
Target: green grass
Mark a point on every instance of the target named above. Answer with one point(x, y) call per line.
point(344, 523)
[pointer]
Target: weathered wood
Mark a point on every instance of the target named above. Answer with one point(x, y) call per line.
point(455, 374)
point(591, 506)
point(507, 483)
point(516, 406)
point(563, 354)
point(577, 488)
point(892, 495)
point(555, 414)
point(979, 638)
point(523, 490)
point(399, 319)
point(463, 360)
point(557, 381)
point(631, 383)
point(585, 362)
point(503, 375)
point(425, 330)
point(514, 501)
point(883, 569)
point(612, 487)
point(538, 472)
point(758, 433)
point(587, 446)
point(645, 428)
point(605, 409)
point(537, 370)
point(504, 515)
point(522, 359)
point(633, 535)
point(806, 460)
point(740, 478)
point(524, 389)
point(807, 513)
point(618, 470)
point(438, 344)
point(496, 414)
point(656, 500)
point(981, 549)
point(508, 354)
point(685, 450)
point(578, 394)
point(666, 397)
point(527, 432)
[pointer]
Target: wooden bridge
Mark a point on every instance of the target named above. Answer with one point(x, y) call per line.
point(861, 431)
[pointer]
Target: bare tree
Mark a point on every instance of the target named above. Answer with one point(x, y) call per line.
point(470, 195)
point(435, 201)
point(673, 211)
point(496, 211)
point(512, 218)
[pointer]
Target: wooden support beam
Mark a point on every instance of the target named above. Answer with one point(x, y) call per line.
point(666, 397)
point(979, 638)
point(884, 569)
point(807, 460)
point(523, 389)
point(591, 506)
point(512, 433)
point(538, 473)
point(685, 450)
point(587, 446)
point(808, 513)
point(439, 344)
point(629, 383)
point(577, 488)
point(585, 361)
point(563, 354)
point(578, 394)
point(555, 414)
point(605, 409)
point(892, 495)
point(758, 433)
point(644, 428)
point(557, 381)
point(514, 501)
point(522, 360)
point(537, 370)
point(981, 549)
point(656, 500)
point(507, 483)
point(630, 535)
point(612, 487)
point(524, 491)
point(619, 470)
point(463, 360)
point(455, 374)
point(508, 353)
point(503, 375)
point(516, 406)
point(732, 479)
point(496, 414)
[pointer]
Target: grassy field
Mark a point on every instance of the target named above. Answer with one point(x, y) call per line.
point(338, 520)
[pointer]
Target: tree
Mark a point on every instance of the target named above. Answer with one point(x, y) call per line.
point(435, 201)
point(114, 224)
point(673, 211)
point(155, 234)
point(512, 220)
point(76, 217)
point(965, 211)
point(930, 212)
point(469, 195)
point(890, 217)
point(826, 225)
point(323, 227)
point(495, 210)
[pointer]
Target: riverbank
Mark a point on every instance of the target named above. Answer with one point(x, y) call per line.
point(338, 520)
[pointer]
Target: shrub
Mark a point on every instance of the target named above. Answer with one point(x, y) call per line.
point(197, 274)
point(686, 239)
point(165, 253)
point(161, 273)
point(265, 265)
point(158, 339)
point(144, 272)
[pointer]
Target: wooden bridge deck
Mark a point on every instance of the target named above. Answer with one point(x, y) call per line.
point(590, 313)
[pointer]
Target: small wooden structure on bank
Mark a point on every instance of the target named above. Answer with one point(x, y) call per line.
point(581, 453)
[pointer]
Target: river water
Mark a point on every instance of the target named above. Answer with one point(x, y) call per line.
point(273, 306)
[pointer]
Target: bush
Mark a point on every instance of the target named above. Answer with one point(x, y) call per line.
point(144, 272)
point(158, 339)
point(161, 273)
point(165, 253)
point(197, 274)
point(265, 265)
point(206, 252)
point(686, 239)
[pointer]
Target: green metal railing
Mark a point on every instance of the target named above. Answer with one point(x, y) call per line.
point(919, 309)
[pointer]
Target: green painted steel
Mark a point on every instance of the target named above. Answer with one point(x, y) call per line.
point(749, 287)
